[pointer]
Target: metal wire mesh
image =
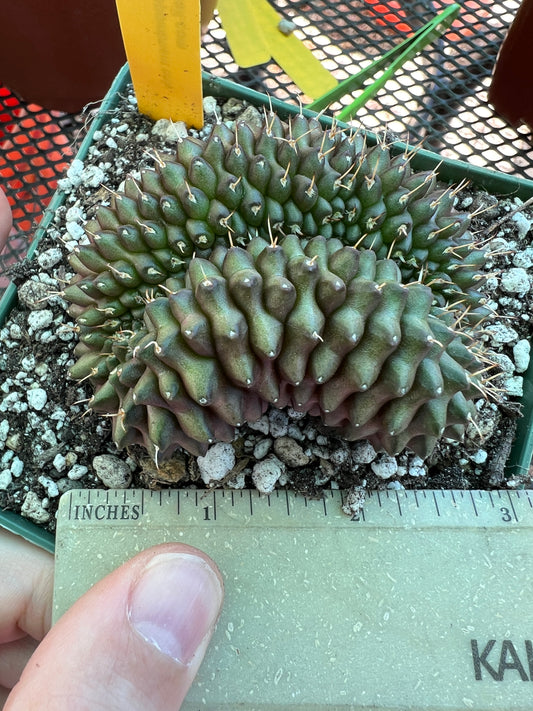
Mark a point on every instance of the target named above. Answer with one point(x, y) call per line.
point(35, 149)
point(438, 99)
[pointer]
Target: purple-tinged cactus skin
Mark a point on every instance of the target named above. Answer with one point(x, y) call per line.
point(185, 335)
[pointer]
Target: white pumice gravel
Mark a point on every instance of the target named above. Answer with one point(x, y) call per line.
point(267, 473)
point(217, 463)
point(45, 430)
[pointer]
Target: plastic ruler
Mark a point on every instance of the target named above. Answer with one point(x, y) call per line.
point(423, 601)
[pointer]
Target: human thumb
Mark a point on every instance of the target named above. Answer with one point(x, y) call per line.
point(134, 641)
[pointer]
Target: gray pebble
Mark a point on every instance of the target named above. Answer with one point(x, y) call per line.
point(33, 509)
point(260, 425)
point(286, 27)
point(279, 423)
point(340, 455)
point(112, 471)
point(290, 452)
point(295, 432)
point(217, 463)
point(251, 117)
point(262, 448)
point(354, 501)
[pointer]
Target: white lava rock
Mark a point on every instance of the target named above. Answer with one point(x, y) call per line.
point(59, 462)
point(210, 105)
point(521, 355)
point(112, 471)
point(385, 467)
point(49, 258)
point(77, 472)
point(16, 467)
point(363, 453)
point(75, 172)
point(514, 385)
point(5, 479)
point(480, 456)
point(37, 320)
point(50, 485)
point(33, 295)
point(266, 473)
point(37, 398)
point(515, 281)
point(170, 131)
point(522, 223)
point(217, 463)
point(502, 333)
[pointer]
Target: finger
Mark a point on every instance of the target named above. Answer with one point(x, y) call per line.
point(13, 658)
point(134, 641)
point(6, 219)
point(3, 696)
point(26, 587)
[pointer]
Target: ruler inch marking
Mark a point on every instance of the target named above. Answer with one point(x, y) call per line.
point(512, 505)
point(334, 595)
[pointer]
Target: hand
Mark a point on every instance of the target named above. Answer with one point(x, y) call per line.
point(6, 219)
point(134, 641)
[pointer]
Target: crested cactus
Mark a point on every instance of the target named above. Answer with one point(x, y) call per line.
point(346, 318)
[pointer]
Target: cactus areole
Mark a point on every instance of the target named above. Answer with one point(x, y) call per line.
point(280, 265)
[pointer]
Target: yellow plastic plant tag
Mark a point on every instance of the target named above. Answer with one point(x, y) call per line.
point(253, 32)
point(162, 42)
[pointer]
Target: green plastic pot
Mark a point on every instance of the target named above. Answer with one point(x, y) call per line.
point(496, 183)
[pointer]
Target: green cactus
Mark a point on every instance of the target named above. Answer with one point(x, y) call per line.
point(184, 338)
